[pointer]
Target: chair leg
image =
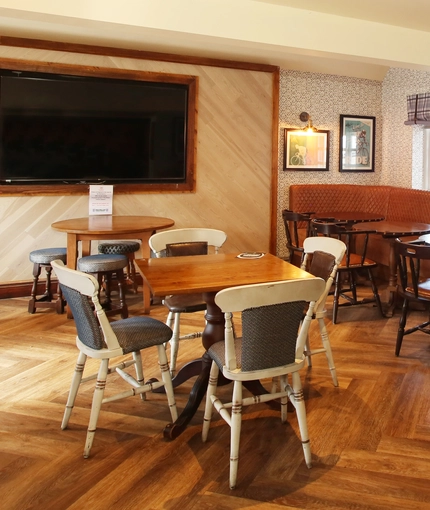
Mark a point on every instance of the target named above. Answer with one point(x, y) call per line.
point(32, 302)
point(76, 381)
point(131, 272)
point(284, 400)
point(212, 386)
point(375, 292)
point(353, 286)
point(174, 342)
point(167, 380)
point(308, 351)
point(96, 405)
point(298, 401)
point(336, 297)
point(328, 352)
point(402, 325)
point(121, 293)
point(236, 423)
point(139, 371)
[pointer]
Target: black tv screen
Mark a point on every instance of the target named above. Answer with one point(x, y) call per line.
point(58, 128)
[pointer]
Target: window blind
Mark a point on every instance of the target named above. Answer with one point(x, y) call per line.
point(418, 109)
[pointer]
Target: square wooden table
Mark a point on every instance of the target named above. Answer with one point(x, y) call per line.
point(209, 274)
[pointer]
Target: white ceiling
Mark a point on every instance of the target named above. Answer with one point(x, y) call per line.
point(413, 14)
point(409, 14)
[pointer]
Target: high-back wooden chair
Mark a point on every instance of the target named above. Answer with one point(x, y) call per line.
point(272, 345)
point(354, 262)
point(414, 286)
point(102, 340)
point(322, 256)
point(177, 242)
point(297, 228)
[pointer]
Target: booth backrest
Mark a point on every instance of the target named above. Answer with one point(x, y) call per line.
point(339, 197)
point(409, 205)
point(395, 204)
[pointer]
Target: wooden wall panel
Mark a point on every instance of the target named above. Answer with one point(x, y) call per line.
point(234, 161)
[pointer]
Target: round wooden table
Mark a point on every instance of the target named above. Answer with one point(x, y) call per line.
point(350, 217)
point(391, 230)
point(107, 227)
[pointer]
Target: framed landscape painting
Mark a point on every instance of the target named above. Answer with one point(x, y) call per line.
point(357, 144)
point(306, 151)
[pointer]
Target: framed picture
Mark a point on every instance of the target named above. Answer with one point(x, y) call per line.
point(306, 151)
point(357, 144)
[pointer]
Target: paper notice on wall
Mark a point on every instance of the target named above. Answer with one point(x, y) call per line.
point(101, 198)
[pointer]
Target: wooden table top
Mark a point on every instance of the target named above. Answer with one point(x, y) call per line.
point(350, 216)
point(395, 228)
point(112, 224)
point(211, 273)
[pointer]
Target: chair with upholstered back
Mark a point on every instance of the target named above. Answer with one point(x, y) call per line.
point(180, 242)
point(272, 345)
point(414, 285)
point(297, 228)
point(102, 340)
point(354, 263)
point(322, 256)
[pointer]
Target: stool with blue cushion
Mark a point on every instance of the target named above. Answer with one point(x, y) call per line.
point(43, 258)
point(128, 248)
point(104, 268)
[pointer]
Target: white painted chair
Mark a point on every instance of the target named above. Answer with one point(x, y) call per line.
point(184, 241)
point(273, 339)
point(322, 256)
point(100, 339)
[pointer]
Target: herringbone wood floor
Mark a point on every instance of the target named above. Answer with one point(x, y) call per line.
point(370, 437)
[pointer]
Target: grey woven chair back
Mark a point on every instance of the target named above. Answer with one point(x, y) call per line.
point(269, 335)
point(87, 325)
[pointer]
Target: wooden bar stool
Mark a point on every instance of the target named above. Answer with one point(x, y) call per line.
point(43, 258)
point(128, 248)
point(104, 267)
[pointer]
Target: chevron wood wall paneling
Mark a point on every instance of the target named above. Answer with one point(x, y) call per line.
point(234, 165)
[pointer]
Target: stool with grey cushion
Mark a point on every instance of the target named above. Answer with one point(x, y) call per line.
point(104, 267)
point(43, 258)
point(128, 248)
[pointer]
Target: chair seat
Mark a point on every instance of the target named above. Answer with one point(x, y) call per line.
point(47, 255)
point(423, 291)
point(137, 333)
point(119, 247)
point(186, 303)
point(101, 263)
point(355, 261)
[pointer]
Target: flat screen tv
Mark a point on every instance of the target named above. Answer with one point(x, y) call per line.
point(68, 129)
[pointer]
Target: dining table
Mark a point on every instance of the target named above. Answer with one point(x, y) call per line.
point(350, 217)
point(208, 274)
point(391, 230)
point(110, 227)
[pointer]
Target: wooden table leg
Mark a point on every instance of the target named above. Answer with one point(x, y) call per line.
point(392, 282)
point(213, 332)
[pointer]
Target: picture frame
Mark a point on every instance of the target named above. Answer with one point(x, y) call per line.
point(357, 143)
point(306, 150)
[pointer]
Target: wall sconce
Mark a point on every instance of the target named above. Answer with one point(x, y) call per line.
point(305, 117)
